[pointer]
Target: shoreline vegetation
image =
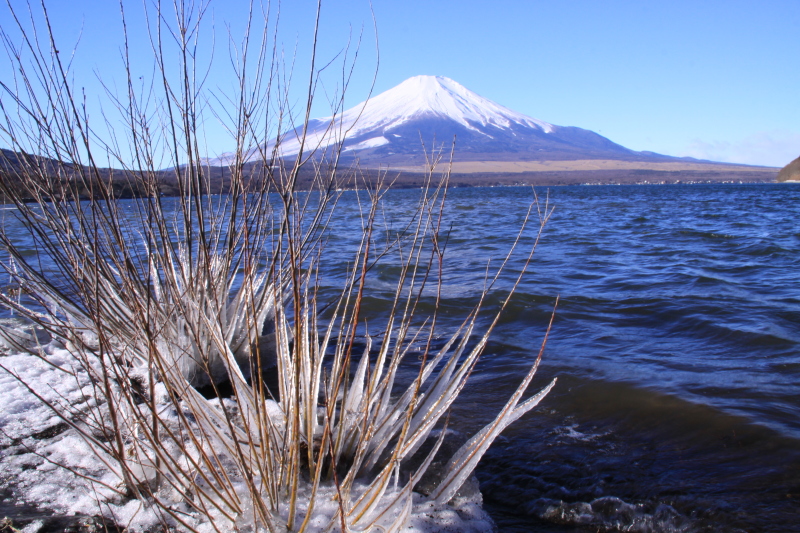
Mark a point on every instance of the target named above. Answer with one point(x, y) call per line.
point(220, 377)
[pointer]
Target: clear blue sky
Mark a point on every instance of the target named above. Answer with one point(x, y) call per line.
point(705, 78)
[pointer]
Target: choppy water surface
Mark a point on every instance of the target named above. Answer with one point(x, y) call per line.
point(676, 344)
point(677, 347)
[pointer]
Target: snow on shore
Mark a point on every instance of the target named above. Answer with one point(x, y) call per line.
point(47, 464)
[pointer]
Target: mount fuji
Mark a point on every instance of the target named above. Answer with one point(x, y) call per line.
point(429, 112)
point(493, 144)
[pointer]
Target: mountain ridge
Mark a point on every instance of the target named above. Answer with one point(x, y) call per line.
point(427, 113)
point(494, 145)
point(401, 127)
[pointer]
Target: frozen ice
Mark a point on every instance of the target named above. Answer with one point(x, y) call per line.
point(40, 455)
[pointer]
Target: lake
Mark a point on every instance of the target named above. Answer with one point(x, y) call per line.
point(676, 344)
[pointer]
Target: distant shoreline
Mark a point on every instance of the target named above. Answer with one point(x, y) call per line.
point(589, 165)
point(485, 173)
point(590, 177)
point(416, 182)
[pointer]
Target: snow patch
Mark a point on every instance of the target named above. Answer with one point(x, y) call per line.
point(369, 143)
point(41, 459)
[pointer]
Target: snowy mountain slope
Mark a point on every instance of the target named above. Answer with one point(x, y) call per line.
point(434, 96)
point(429, 112)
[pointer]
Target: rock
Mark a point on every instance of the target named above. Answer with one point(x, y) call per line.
point(790, 172)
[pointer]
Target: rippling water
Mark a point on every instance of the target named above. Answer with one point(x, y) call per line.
point(676, 343)
point(677, 346)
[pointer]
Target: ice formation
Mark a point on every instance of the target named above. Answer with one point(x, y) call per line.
point(48, 465)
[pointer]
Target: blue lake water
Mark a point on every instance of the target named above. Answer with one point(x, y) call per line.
point(677, 346)
point(676, 343)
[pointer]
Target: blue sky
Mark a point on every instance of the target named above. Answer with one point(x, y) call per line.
point(710, 79)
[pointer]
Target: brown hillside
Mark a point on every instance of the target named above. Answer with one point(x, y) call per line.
point(790, 172)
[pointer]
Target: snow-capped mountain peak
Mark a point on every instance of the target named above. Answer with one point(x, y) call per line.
point(370, 123)
point(438, 96)
point(428, 112)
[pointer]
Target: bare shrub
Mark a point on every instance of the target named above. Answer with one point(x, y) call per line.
point(155, 297)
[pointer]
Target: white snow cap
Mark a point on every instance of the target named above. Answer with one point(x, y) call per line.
point(439, 96)
point(417, 97)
